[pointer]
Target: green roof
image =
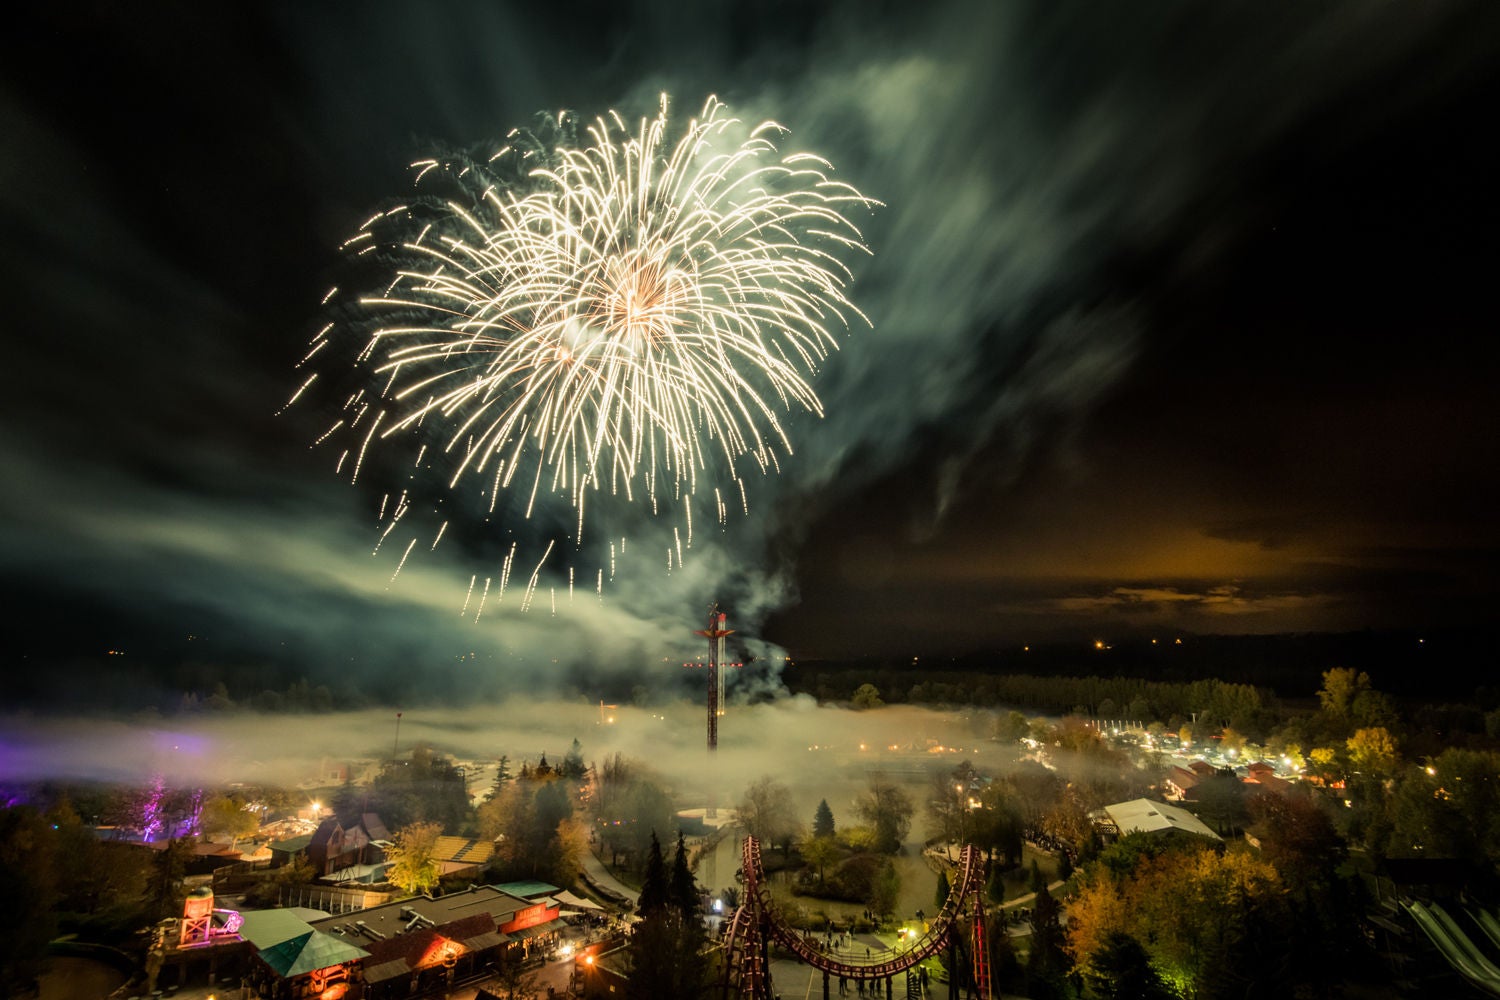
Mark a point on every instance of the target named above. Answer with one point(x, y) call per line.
point(293, 844)
point(290, 945)
point(268, 928)
point(526, 890)
point(309, 953)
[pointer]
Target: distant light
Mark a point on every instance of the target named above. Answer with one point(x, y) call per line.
point(1098, 643)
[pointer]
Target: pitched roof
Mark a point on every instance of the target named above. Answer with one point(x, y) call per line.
point(1144, 815)
point(404, 951)
point(374, 827)
point(267, 928)
point(1182, 777)
point(290, 946)
point(466, 850)
point(292, 845)
point(309, 953)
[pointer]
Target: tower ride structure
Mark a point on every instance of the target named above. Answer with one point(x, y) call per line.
point(715, 633)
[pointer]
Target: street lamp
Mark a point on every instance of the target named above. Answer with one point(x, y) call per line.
point(961, 811)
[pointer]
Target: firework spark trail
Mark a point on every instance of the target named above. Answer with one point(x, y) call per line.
point(621, 311)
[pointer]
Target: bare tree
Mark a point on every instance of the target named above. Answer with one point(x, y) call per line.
point(767, 814)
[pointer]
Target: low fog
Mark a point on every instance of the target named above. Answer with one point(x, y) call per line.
point(817, 751)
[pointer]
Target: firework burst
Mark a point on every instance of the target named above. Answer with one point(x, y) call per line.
point(629, 315)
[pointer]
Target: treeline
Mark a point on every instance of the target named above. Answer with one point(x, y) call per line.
point(1243, 706)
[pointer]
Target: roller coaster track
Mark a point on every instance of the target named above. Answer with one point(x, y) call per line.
point(757, 922)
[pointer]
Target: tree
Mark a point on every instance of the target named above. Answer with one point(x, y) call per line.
point(502, 778)
point(1011, 727)
point(27, 919)
point(823, 820)
point(682, 889)
point(1047, 965)
point(665, 948)
point(885, 890)
point(572, 766)
point(767, 814)
point(227, 814)
point(414, 866)
point(887, 809)
point(655, 892)
point(866, 696)
point(944, 888)
point(629, 805)
point(819, 853)
point(1121, 970)
point(1373, 750)
point(425, 788)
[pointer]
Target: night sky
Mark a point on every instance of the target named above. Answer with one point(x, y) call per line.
point(1183, 322)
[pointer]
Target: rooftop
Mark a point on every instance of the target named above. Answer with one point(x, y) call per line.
point(1147, 816)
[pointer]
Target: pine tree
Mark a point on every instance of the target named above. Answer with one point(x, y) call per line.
point(944, 887)
point(1122, 971)
point(572, 764)
point(823, 820)
point(666, 946)
point(682, 889)
point(1038, 883)
point(502, 778)
point(994, 887)
point(655, 891)
point(1047, 965)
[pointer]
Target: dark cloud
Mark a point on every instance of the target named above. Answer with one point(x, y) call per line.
point(1173, 318)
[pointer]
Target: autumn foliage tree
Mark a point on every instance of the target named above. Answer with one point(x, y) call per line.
point(414, 866)
point(1209, 918)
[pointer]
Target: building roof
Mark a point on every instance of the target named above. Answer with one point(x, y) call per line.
point(1147, 816)
point(392, 918)
point(292, 845)
point(528, 890)
point(1182, 777)
point(1270, 783)
point(315, 951)
point(464, 850)
point(266, 928)
point(291, 946)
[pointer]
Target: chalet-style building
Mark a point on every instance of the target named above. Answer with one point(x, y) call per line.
point(334, 846)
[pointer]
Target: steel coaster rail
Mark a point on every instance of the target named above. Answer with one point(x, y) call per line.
point(758, 916)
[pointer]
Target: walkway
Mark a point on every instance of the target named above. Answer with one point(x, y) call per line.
point(597, 875)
